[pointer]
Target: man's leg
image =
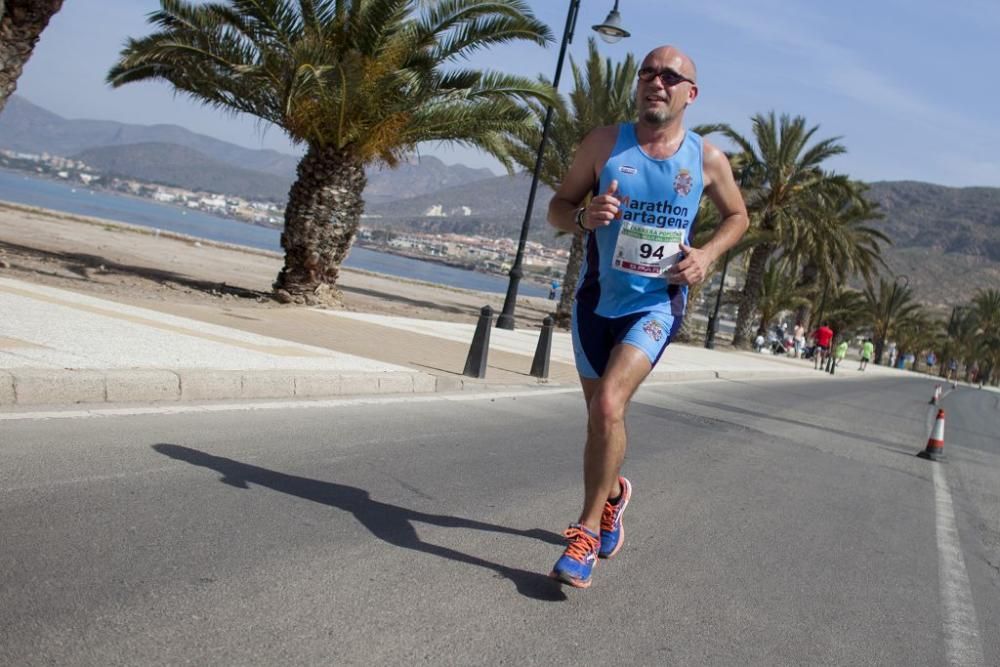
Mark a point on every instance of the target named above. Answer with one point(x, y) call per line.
point(607, 399)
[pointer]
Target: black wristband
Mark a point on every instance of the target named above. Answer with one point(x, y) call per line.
point(580, 213)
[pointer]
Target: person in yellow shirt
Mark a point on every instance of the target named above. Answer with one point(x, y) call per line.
point(839, 353)
point(867, 352)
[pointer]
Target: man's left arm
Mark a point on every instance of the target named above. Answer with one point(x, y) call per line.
point(721, 188)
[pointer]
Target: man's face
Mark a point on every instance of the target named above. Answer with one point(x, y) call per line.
point(669, 89)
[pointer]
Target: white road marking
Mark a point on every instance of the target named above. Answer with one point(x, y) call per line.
point(962, 643)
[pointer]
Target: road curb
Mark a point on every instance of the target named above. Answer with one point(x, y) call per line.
point(23, 387)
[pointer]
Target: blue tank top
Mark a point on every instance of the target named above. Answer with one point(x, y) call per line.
point(659, 193)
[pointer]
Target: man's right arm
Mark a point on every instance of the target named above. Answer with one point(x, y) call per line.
point(580, 180)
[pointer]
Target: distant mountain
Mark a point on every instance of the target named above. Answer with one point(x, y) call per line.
point(946, 241)
point(491, 207)
point(964, 221)
point(30, 128)
point(419, 176)
point(183, 167)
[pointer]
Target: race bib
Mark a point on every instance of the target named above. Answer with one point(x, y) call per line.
point(645, 250)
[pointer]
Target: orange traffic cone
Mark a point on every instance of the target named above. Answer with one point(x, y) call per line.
point(935, 444)
point(936, 396)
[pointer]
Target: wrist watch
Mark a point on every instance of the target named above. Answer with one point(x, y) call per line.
point(580, 214)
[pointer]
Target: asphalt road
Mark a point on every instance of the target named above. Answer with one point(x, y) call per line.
point(772, 523)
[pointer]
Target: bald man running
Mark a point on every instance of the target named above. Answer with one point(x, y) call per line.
point(647, 178)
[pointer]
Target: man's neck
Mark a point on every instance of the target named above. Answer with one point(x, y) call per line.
point(660, 141)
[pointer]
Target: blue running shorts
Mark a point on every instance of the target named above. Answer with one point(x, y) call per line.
point(595, 336)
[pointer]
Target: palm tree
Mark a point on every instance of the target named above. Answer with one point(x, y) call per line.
point(787, 175)
point(778, 293)
point(888, 310)
point(915, 334)
point(21, 24)
point(359, 83)
point(602, 95)
point(986, 308)
point(846, 311)
point(836, 240)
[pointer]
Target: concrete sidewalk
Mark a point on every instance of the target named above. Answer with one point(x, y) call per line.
point(59, 347)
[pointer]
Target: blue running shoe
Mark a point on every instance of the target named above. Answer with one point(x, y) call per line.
point(612, 531)
point(576, 564)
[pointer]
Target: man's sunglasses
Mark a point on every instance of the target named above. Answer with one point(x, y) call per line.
point(667, 76)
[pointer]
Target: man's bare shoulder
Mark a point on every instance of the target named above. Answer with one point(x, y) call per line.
point(601, 137)
point(715, 162)
point(713, 155)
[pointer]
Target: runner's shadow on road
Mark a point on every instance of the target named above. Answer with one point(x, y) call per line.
point(390, 523)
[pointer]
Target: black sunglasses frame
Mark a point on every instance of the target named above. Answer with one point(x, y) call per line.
point(667, 76)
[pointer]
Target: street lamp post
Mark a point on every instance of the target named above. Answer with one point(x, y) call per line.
point(610, 31)
point(713, 321)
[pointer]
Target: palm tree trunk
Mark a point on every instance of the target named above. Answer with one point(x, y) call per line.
point(685, 334)
point(750, 296)
point(321, 219)
point(808, 281)
point(564, 311)
point(21, 24)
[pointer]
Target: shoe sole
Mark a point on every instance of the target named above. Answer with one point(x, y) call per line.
point(566, 579)
point(621, 538)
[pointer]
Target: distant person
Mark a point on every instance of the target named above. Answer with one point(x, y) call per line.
point(839, 354)
point(632, 294)
point(823, 336)
point(867, 352)
point(953, 370)
point(553, 288)
point(799, 339)
point(758, 343)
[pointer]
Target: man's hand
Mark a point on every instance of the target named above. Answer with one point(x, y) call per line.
point(602, 208)
point(692, 269)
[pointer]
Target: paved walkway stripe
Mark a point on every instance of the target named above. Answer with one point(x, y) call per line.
point(276, 350)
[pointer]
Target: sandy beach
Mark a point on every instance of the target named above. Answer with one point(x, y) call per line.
point(134, 265)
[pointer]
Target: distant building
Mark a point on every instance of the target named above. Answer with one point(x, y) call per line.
point(215, 201)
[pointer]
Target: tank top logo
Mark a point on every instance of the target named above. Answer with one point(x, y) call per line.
point(683, 182)
point(625, 169)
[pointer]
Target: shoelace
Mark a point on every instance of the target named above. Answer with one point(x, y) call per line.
point(608, 517)
point(580, 543)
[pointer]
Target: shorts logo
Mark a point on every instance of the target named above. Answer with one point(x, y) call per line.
point(653, 329)
point(625, 169)
point(683, 182)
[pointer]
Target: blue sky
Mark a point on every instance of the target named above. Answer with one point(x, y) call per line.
point(908, 85)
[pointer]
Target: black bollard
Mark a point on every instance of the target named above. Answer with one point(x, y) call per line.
point(475, 363)
point(829, 362)
point(540, 364)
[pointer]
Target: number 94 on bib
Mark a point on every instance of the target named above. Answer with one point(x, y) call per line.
point(647, 251)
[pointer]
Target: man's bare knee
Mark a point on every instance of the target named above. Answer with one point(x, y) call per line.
point(607, 409)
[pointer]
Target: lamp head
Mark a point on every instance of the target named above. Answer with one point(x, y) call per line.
point(611, 30)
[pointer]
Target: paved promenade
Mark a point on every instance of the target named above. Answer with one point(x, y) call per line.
point(59, 347)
